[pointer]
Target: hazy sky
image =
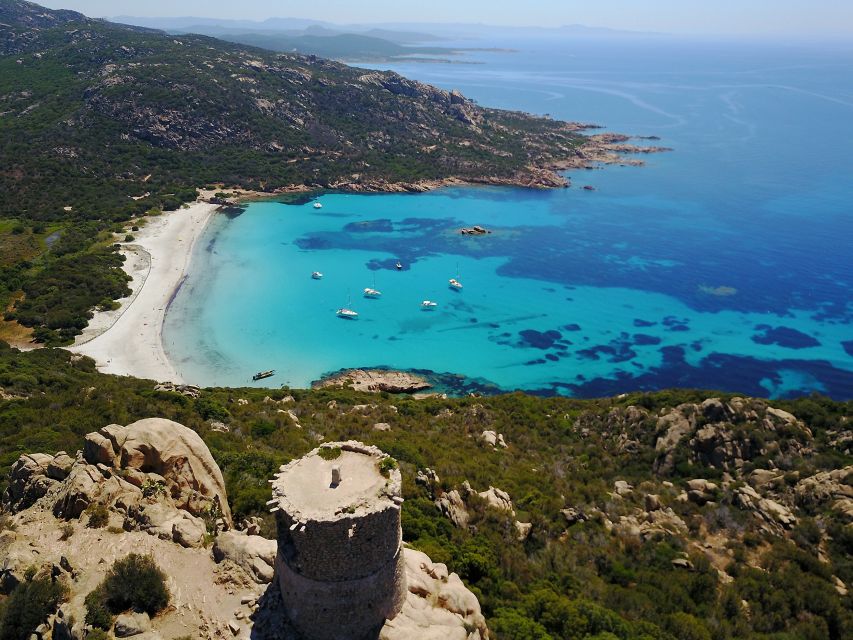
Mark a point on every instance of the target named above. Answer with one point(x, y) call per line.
point(804, 17)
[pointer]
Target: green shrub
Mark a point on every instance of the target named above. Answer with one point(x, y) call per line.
point(133, 582)
point(330, 453)
point(209, 409)
point(98, 613)
point(28, 606)
point(99, 516)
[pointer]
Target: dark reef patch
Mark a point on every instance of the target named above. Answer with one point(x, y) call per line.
point(675, 324)
point(722, 372)
point(784, 337)
point(848, 347)
point(370, 226)
point(642, 340)
point(640, 323)
point(539, 339)
point(571, 327)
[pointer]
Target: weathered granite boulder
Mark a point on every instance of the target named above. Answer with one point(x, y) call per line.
point(438, 607)
point(254, 554)
point(493, 439)
point(833, 488)
point(98, 449)
point(453, 507)
point(772, 512)
point(28, 481)
point(179, 456)
point(131, 624)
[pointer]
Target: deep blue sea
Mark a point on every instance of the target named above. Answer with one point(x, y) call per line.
point(725, 264)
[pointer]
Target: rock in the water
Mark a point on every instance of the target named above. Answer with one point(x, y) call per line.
point(375, 380)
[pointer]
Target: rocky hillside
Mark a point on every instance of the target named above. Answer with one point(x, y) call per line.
point(93, 105)
point(681, 514)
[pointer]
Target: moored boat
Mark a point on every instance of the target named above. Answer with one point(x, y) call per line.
point(317, 275)
point(372, 293)
point(317, 205)
point(428, 305)
point(346, 313)
point(260, 375)
point(455, 284)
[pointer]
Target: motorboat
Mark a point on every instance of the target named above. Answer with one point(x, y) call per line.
point(428, 305)
point(317, 275)
point(317, 205)
point(399, 266)
point(260, 375)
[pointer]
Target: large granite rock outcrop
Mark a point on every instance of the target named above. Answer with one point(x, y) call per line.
point(725, 435)
point(153, 475)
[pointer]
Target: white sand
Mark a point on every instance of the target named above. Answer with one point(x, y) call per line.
point(129, 341)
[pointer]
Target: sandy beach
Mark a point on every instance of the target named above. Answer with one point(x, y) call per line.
point(128, 341)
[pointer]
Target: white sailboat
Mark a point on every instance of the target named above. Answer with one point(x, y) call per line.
point(454, 282)
point(346, 313)
point(372, 292)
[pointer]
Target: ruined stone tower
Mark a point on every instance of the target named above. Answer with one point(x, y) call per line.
point(340, 558)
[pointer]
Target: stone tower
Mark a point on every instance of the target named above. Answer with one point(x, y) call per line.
point(340, 557)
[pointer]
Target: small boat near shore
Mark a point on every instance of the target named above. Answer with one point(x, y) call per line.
point(317, 275)
point(317, 205)
point(399, 266)
point(260, 375)
point(428, 305)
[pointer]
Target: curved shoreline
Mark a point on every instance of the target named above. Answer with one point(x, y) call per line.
point(129, 341)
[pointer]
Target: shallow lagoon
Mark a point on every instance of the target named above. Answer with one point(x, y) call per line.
point(723, 264)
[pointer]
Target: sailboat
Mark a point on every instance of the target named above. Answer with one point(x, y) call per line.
point(372, 292)
point(454, 282)
point(346, 313)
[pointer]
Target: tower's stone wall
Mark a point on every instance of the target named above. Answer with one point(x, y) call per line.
point(340, 562)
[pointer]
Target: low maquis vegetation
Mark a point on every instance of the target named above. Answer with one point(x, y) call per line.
point(629, 538)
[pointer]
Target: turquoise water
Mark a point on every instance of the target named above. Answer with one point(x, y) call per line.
point(724, 264)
